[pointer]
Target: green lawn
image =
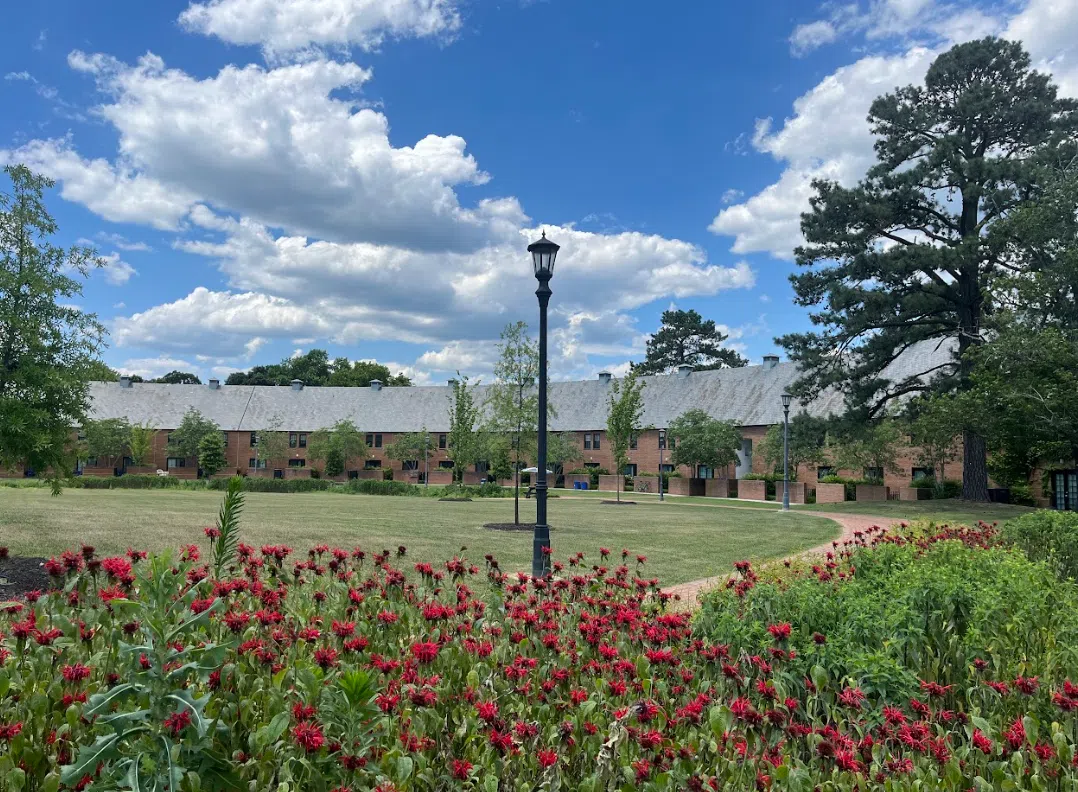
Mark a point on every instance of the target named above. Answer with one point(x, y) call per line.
point(683, 540)
point(953, 511)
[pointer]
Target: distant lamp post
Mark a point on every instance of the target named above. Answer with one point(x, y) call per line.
point(543, 254)
point(662, 447)
point(786, 399)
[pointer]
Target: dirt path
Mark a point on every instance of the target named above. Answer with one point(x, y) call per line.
point(689, 593)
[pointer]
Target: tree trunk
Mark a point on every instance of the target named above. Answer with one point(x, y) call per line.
point(974, 467)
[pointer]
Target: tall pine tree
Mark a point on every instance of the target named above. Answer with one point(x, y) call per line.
point(909, 254)
point(685, 338)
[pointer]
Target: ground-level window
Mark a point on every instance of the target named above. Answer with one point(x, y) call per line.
point(410, 464)
point(91, 461)
point(1065, 490)
point(823, 472)
point(278, 473)
point(297, 463)
point(353, 474)
point(446, 464)
point(175, 462)
point(874, 473)
point(703, 471)
point(922, 473)
point(592, 465)
point(257, 464)
point(482, 467)
point(372, 464)
point(630, 470)
point(665, 468)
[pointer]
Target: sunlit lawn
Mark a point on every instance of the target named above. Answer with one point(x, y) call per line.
point(682, 540)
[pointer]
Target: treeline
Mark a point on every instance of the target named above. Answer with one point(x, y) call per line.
point(316, 368)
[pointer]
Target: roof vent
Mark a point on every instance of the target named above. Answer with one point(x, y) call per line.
point(376, 385)
point(297, 384)
point(604, 376)
point(684, 370)
point(125, 381)
point(215, 384)
point(770, 361)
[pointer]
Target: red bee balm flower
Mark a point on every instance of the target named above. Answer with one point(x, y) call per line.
point(461, 769)
point(177, 722)
point(425, 652)
point(780, 632)
point(75, 673)
point(308, 736)
point(547, 758)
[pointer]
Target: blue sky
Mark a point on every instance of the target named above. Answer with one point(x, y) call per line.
point(364, 175)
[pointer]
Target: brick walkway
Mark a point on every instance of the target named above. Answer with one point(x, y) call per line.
point(690, 592)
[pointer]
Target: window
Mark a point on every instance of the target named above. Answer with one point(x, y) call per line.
point(353, 474)
point(303, 441)
point(630, 470)
point(591, 464)
point(293, 439)
point(224, 438)
point(823, 472)
point(168, 437)
point(81, 436)
point(257, 464)
point(874, 473)
point(587, 441)
point(410, 464)
point(278, 473)
point(665, 468)
point(446, 464)
point(703, 471)
point(175, 462)
point(1065, 490)
point(374, 440)
point(91, 462)
point(441, 441)
point(254, 439)
point(297, 463)
point(372, 464)
point(591, 441)
point(922, 473)
point(633, 442)
point(482, 467)
point(664, 441)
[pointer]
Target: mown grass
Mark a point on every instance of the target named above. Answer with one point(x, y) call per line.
point(683, 540)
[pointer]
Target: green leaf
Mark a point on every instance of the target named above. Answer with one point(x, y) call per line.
point(195, 707)
point(102, 702)
point(89, 756)
point(272, 732)
point(404, 768)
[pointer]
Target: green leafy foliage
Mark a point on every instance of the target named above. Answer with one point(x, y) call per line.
point(48, 346)
point(625, 411)
point(315, 368)
point(211, 453)
point(225, 537)
point(337, 446)
point(808, 441)
point(140, 442)
point(463, 441)
point(184, 439)
point(108, 439)
point(703, 440)
point(1049, 536)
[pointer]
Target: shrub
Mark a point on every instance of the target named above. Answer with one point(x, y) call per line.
point(137, 482)
point(1021, 495)
point(1049, 536)
point(952, 607)
point(340, 669)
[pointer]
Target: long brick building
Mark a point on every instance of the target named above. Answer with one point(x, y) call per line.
point(749, 396)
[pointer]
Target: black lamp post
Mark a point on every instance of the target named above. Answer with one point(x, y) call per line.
point(543, 254)
point(786, 399)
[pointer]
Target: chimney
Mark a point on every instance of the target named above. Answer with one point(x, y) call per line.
point(453, 383)
point(297, 384)
point(125, 381)
point(376, 385)
point(684, 370)
point(215, 384)
point(770, 361)
point(604, 376)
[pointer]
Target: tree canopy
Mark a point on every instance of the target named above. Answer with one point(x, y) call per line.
point(703, 440)
point(315, 368)
point(808, 437)
point(911, 253)
point(108, 439)
point(178, 378)
point(625, 411)
point(685, 338)
point(211, 453)
point(184, 440)
point(336, 446)
point(48, 346)
point(463, 439)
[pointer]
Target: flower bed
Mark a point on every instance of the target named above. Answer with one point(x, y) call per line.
point(352, 670)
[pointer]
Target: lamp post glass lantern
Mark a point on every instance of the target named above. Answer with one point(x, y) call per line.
point(786, 400)
point(543, 254)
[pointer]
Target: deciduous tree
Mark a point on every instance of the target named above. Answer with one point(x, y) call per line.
point(411, 447)
point(140, 443)
point(703, 440)
point(513, 401)
point(271, 443)
point(336, 446)
point(624, 414)
point(685, 338)
point(910, 254)
point(108, 439)
point(808, 438)
point(178, 378)
point(193, 427)
point(48, 346)
point(463, 441)
point(211, 453)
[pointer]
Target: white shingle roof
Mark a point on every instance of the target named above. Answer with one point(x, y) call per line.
point(749, 396)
